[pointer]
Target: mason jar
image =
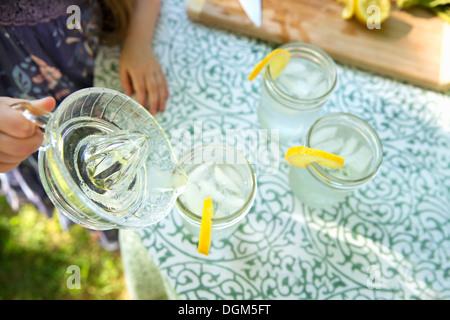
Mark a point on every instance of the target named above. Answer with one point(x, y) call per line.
point(224, 174)
point(291, 102)
point(345, 135)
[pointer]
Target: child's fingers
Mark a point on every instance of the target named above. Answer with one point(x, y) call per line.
point(125, 81)
point(5, 167)
point(152, 91)
point(47, 103)
point(162, 91)
point(21, 148)
point(13, 123)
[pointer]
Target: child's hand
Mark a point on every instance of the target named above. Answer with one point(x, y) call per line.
point(19, 137)
point(140, 72)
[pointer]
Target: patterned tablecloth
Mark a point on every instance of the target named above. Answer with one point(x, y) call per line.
point(389, 240)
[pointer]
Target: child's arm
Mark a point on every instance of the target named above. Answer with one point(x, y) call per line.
point(140, 71)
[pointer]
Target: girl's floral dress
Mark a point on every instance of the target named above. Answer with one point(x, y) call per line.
point(43, 52)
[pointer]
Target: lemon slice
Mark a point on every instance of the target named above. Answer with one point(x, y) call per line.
point(206, 226)
point(277, 60)
point(302, 157)
point(349, 9)
point(362, 13)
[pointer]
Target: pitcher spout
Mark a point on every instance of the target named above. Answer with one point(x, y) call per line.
point(167, 181)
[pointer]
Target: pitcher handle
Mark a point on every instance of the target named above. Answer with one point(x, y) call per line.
point(38, 116)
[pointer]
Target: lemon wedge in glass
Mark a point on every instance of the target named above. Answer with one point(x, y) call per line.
point(277, 60)
point(206, 226)
point(301, 157)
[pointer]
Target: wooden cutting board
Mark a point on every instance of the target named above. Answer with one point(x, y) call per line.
point(412, 46)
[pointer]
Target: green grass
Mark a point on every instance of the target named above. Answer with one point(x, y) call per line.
point(35, 254)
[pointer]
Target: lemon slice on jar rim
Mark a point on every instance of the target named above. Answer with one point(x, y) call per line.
point(301, 157)
point(278, 59)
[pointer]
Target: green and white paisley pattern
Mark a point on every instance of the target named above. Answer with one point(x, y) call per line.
point(389, 240)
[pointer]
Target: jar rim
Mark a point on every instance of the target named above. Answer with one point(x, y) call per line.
point(320, 57)
point(323, 176)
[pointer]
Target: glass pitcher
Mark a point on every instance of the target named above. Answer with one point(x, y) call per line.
point(105, 162)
